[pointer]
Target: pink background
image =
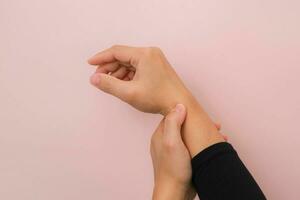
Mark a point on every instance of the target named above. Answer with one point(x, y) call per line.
point(60, 138)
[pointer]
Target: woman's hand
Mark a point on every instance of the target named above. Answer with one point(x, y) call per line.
point(141, 77)
point(171, 159)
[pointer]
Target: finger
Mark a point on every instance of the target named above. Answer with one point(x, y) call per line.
point(120, 73)
point(124, 54)
point(130, 75)
point(111, 85)
point(155, 142)
point(126, 78)
point(108, 68)
point(156, 136)
point(173, 122)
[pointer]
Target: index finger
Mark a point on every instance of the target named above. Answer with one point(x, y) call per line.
point(120, 53)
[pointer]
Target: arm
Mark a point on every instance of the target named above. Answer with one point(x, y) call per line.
point(143, 78)
point(199, 132)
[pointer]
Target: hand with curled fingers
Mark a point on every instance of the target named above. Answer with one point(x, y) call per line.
point(140, 76)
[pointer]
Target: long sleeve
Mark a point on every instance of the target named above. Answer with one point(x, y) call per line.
point(218, 173)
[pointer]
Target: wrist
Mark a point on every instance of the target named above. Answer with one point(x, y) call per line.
point(182, 96)
point(172, 191)
point(199, 131)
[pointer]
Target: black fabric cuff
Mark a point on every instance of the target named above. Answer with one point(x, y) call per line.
point(211, 152)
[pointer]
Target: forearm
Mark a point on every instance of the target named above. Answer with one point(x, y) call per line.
point(199, 132)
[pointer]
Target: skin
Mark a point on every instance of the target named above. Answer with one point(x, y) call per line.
point(171, 159)
point(150, 84)
point(143, 78)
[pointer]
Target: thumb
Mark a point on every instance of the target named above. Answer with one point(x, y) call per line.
point(110, 84)
point(173, 122)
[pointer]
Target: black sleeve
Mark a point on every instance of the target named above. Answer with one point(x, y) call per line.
point(218, 173)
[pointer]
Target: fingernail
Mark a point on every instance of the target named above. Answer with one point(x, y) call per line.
point(179, 108)
point(95, 79)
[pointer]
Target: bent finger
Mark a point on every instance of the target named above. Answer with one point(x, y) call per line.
point(124, 54)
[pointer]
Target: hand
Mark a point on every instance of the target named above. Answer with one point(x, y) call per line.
point(171, 159)
point(141, 77)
